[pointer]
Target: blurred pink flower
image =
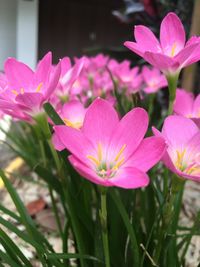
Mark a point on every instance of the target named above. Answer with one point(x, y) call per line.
point(127, 78)
point(186, 105)
point(182, 137)
point(171, 54)
point(69, 77)
point(153, 79)
point(26, 90)
point(110, 152)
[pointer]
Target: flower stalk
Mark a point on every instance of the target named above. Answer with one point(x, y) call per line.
point(104, 226)
point(172, 85)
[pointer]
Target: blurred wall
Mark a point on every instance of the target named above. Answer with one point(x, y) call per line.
point(27, 31)
point(8, 16)
point(19, 31)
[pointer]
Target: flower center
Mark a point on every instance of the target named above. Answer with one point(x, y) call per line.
point(76, 125)
point(192, 168)
point(21, 91)
point(104, 167)
point(173, 50)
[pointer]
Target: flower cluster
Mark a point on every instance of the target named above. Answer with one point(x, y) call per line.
point(104, 149)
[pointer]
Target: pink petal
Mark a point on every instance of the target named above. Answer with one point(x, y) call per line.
point(183, 103)
point(53, 81)
point(57, 143)
point(169, 163)
point(73, 111)
point(197, 121)
point(100, 121)
point(172, 34)
point(188, 55)
point(18, 74)
point(130, 132)
point(65, 65)
point(146, 39)
point(74, 141)
point(149, 152)
point(196, 107)
point(146, 72)
point(160, 61)
point(194, 39)
point(32, 101)
point(14, 110)
point(130, 178)
point(72, 75)
point(87, 172)
point(194, 144)
point(178, 130)
point(135, 48)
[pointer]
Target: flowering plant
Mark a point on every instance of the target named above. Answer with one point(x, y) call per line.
point(115, 183)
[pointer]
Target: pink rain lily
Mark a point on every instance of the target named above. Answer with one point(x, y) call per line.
point(127, 78)
point(112, 152)
point(73, 114)
point(171, 53)
point(188, 106)
point(153, 79)
point(182, 137)
point(26, 90)
point(69, 76)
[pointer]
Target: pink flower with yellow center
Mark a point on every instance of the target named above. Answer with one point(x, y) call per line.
point(187, 105)
point(73, 114)
point(26, 90)
point(182, 137)
point(109, 151)
point(171, 53)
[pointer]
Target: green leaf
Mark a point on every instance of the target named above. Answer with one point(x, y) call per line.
point(49, 178)
point(53, 114)
point(71, 256)
point(8, 260)
point(25, 217)
point(129, 227)
point(8, 244)
point(10, 213)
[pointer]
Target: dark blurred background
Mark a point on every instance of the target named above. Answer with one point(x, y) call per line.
point(76, 27)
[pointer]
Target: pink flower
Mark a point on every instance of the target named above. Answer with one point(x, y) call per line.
point(73, 114)
point(153, 79)
point(171, 54)
point(69, 76)
point(110, 152)
point(182, 137)
point(186, 105)
point(127, 78)
point(26, 91)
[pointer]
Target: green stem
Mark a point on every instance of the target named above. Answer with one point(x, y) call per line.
point(168, 213)
point(172, 85)
point(151, 104)
point(55, 156)
point(103, 218)
point(55, 210)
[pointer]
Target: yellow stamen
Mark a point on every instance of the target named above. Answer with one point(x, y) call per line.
point(173, 50)
point(180, 156)
point(99, 152)
point(76, 125)
point(118, 164)
point(14, 92)
point(120, 152)
point(39, 88)
point(22, 91)
point(94, 160)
